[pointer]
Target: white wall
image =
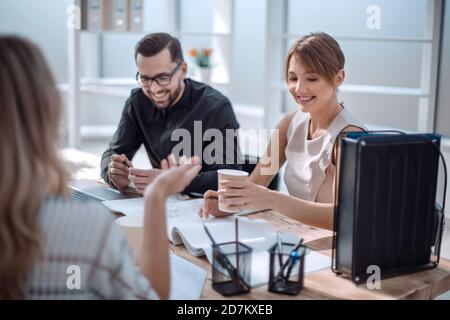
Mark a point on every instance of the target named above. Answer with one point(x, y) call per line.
point(249, 50)
point(367, 63)
point(42, 21)
point(248, 45)
point(380, 63)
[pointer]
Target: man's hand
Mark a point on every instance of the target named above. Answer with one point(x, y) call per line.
point(142, 178)
point(118, 171)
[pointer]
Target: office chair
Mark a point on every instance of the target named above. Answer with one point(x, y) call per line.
point(249, 165)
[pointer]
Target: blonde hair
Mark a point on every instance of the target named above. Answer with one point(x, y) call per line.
point(319, 53)
point(29, 165)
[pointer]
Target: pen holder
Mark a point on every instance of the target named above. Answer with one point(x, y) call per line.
point(231, 268)
point(286, 268)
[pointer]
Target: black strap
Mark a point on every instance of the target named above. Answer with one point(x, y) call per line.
point(333, 156)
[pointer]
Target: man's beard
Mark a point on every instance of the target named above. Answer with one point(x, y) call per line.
point(172, 97)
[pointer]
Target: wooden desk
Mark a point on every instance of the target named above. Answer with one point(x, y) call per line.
point(323, 284)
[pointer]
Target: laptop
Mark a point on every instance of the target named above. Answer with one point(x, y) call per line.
point(91, 190)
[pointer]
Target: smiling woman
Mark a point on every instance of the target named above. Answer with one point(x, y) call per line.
point(314, 71)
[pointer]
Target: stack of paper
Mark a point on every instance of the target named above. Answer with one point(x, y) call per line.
point(187, 279)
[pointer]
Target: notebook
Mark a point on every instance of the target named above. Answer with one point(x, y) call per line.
point(186, 279)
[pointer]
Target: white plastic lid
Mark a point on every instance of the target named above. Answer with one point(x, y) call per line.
point(231, 172)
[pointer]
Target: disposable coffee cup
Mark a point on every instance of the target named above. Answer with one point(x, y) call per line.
point(229, 175)
point(132, 229)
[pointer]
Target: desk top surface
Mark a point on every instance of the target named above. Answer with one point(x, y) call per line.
point(323, 284)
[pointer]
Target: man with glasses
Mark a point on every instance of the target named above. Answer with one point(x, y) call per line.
point(167, 101)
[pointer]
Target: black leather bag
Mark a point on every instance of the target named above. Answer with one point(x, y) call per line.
point(386, 213)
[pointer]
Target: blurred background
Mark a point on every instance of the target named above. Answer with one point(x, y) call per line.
point(397, 53)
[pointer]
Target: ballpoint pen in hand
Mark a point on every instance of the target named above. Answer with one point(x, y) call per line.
point(127, 162)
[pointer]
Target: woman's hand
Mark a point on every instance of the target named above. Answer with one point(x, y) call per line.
point(211, 206)
point(244, 195)
point(174, 177)
point(237, 196)
point(143, 177)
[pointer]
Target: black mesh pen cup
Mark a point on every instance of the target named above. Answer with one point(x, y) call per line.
point(286, 268)
point(231, 268)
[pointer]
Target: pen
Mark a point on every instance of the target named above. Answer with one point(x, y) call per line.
point(294, 257)
point(281, 272)
point(127, 162)
point(236, 225)
point(209, 235)
point(280, 257)
point(195, 195)
point(225, 263)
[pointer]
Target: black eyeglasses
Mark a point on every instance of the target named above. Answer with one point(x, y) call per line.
point(162, 80)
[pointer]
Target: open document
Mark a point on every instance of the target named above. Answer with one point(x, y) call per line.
point(135, 206)
point(177, 204)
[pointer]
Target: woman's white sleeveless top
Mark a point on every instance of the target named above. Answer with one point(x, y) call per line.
point(308, 161)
